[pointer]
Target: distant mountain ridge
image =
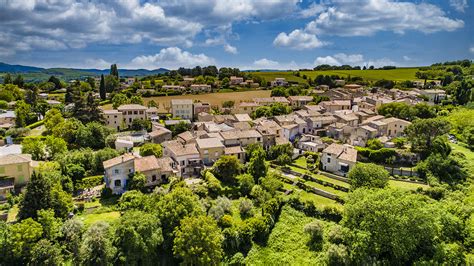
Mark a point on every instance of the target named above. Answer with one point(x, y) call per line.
point(38, 73)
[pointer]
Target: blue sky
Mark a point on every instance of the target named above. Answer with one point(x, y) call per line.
point(263, 34)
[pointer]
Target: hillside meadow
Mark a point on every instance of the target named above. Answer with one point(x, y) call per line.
point(399, 74)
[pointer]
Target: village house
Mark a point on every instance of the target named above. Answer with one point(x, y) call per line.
point(338, 159)
point(159, 134)
point(182, 108)
point(173, 88)
point(278, 82)
point(395, 126)
point(186, 157)
point(156, 170)
point(15, 172)
point(434, 95)
point(241, 137)
point(113, 119)
point(7, 119)
point(236, 151)
point(201, 107)
point(245, 108)
point(271, 100)
point(131, 112)
point(236, 80)
point(117, 171)
point(299, 101)
point(310, 143)
point(197, 88)
point(335, 105)
point(210, 149)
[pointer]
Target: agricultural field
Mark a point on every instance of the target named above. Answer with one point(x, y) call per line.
point(287, 243)
point(399, 74)
point(213, 98)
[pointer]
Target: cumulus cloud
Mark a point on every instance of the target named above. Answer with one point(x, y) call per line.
point(54, 24)
point(171, 57)
point(312, 10)
point(265, 63)
point(406, 58)
point(353, 60)
point(98, 63)
point(366, 17)
point(230, 49)
point(298, 40)
point(459, 5)
point(471, 49)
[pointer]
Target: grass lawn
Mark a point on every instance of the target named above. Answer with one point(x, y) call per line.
point(405, 185)
point(326, 188)
point(321, 177)
point(92, 218)
point(38, 131)
point(212, 98)
point(286, 244)
point(467, 152)
point(301, 162)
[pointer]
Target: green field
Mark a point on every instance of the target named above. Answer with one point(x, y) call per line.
point(287, 243)
point(399, 74)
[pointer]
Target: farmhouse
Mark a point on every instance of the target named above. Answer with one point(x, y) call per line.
point(339, 159)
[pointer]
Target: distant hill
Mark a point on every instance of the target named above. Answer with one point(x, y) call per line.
point(31, 73)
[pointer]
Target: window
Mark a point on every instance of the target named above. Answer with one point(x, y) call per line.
point(206, 151)
point(118, 183)
point(116, 171)
point(182, 162)
point(153, 178)
point(216, 154)
point(135, 112)
point(163, 177)
point(329, 160)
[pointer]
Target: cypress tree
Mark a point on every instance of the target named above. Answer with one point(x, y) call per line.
point(102, 88)
point(114, 71)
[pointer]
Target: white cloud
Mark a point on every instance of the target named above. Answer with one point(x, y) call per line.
point(98, 63)
point(353, 60)
point(340, 59)
point(298, 40)
point(459, 5)
point(171, 57)
point(471, 49)
point(406, 58)
point(312, 10)
point(367, 17)
point(265, 63)
point(230, 49)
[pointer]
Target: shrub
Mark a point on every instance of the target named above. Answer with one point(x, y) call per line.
point(245, 207)
point(315, 230)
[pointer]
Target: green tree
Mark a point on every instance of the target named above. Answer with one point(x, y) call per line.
point(93, 135)
point(227, 168)
point(198, 241)
point(368, 175)
point(111, 83)
point(257, 166)
point(22, 113)
point(137, 182)
point(277, 150)
point(119, 99)
point(55, 146)
point(315, 230)
point(56, 82)
point(51, 225)
point(46, 253)
point(138, 237)
point(179, 203)
point(213, 184)
point(246, 183)
point(390, 226)
point(52, 119)
point(72, 231)
point(422, 132)
point(7, 79)
point(34, 146)
point(23, 236)
point(37, 196)
point(96, 247)
point(102, 91)
point(136, 99)
point(151, 149)
point(114, 71)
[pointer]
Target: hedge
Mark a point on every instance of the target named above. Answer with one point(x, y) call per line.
point(89, 182)
point(35, 125)
point(377, 156)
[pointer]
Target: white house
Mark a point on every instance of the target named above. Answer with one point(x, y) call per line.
point(338, 159)
point(117, 171)
point(182, 108)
